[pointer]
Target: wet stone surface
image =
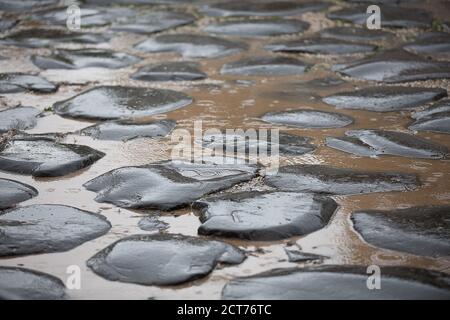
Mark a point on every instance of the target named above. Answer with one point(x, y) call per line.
point(385, 99)
point(264, 66)
point(154, 185)
point(152, 22)
point(36, 38)
point(44, 157)
point(295, 255)
point(123, 130)
point(47, 228)
point(20, 82)
point(18, 6)
point(115, 102)
point(355, 34)
point(13, 192)
point(430, 42)
point(170, 71)
point(417, 230)
point(396, 65)
point(162, 259)
point(263, 215)
point(391, 16)
point(434, 119)
point(371, 143)
point(320, 46)
point(25, 284)
point(84, 58)
point(261, 8)
point(349, 282)
point(6, 24)
point(192, 45)
point(331, 180)
point(262, 27)
point(305, 118)
point(18, 118)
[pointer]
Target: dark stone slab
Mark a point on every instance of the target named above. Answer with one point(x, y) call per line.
point(264, 66)
point(264, 216)
point(430, 42)
point(162, 259)
point(299, 256)
point(261, 8)
point(305, 118)
point(20, 82)
point(422, 231)
point(333, 282)
point(123, 130)
point(46, 228)
point(434, 119)
point(166, 185)
point(84, 58)
point(36, 38)
point(25, 284)
point(7, 23)
point(442, 106)
point(44, 157)
point(380, 142)
point(23, 5)
point(154, 21)
point(355, 34)
point(331, 180)
point(13, 192)
point(170, 71)
point(391, 16)
point(262, 27)
point(192, 45)
point(396, 66)
point(18, 118)
point(318, 45)
point(115, 102)
point(384, 99)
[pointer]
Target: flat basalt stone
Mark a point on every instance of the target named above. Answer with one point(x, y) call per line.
point(170, 71)
point(434, 119)
point(391, 16)
point(261, 8)
point(36, 38)
point(18, 118)
point(422, 231)
point(166, 185)
point(151, 223)
point(304, 118)
point(20, 82)
point(122, 130)
point(264, 216)
point(12, 192)
point(84, 58)
point(287, 144)
point(264, 66)
point(17, 6)
point(155, 21)
point(7, 23)
point(25, 284)
point(344, 282)
point(331, 180)
point(299, 256)
point(355, 34)
point(162, 259)
point(431, 42)
point(192, 45)
point(320, 46)
point(44, 157)
point(257, 27)
point(380, 142)
point(396, 66)
point(115, 102)
point(46, 228)
point(385, 99)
